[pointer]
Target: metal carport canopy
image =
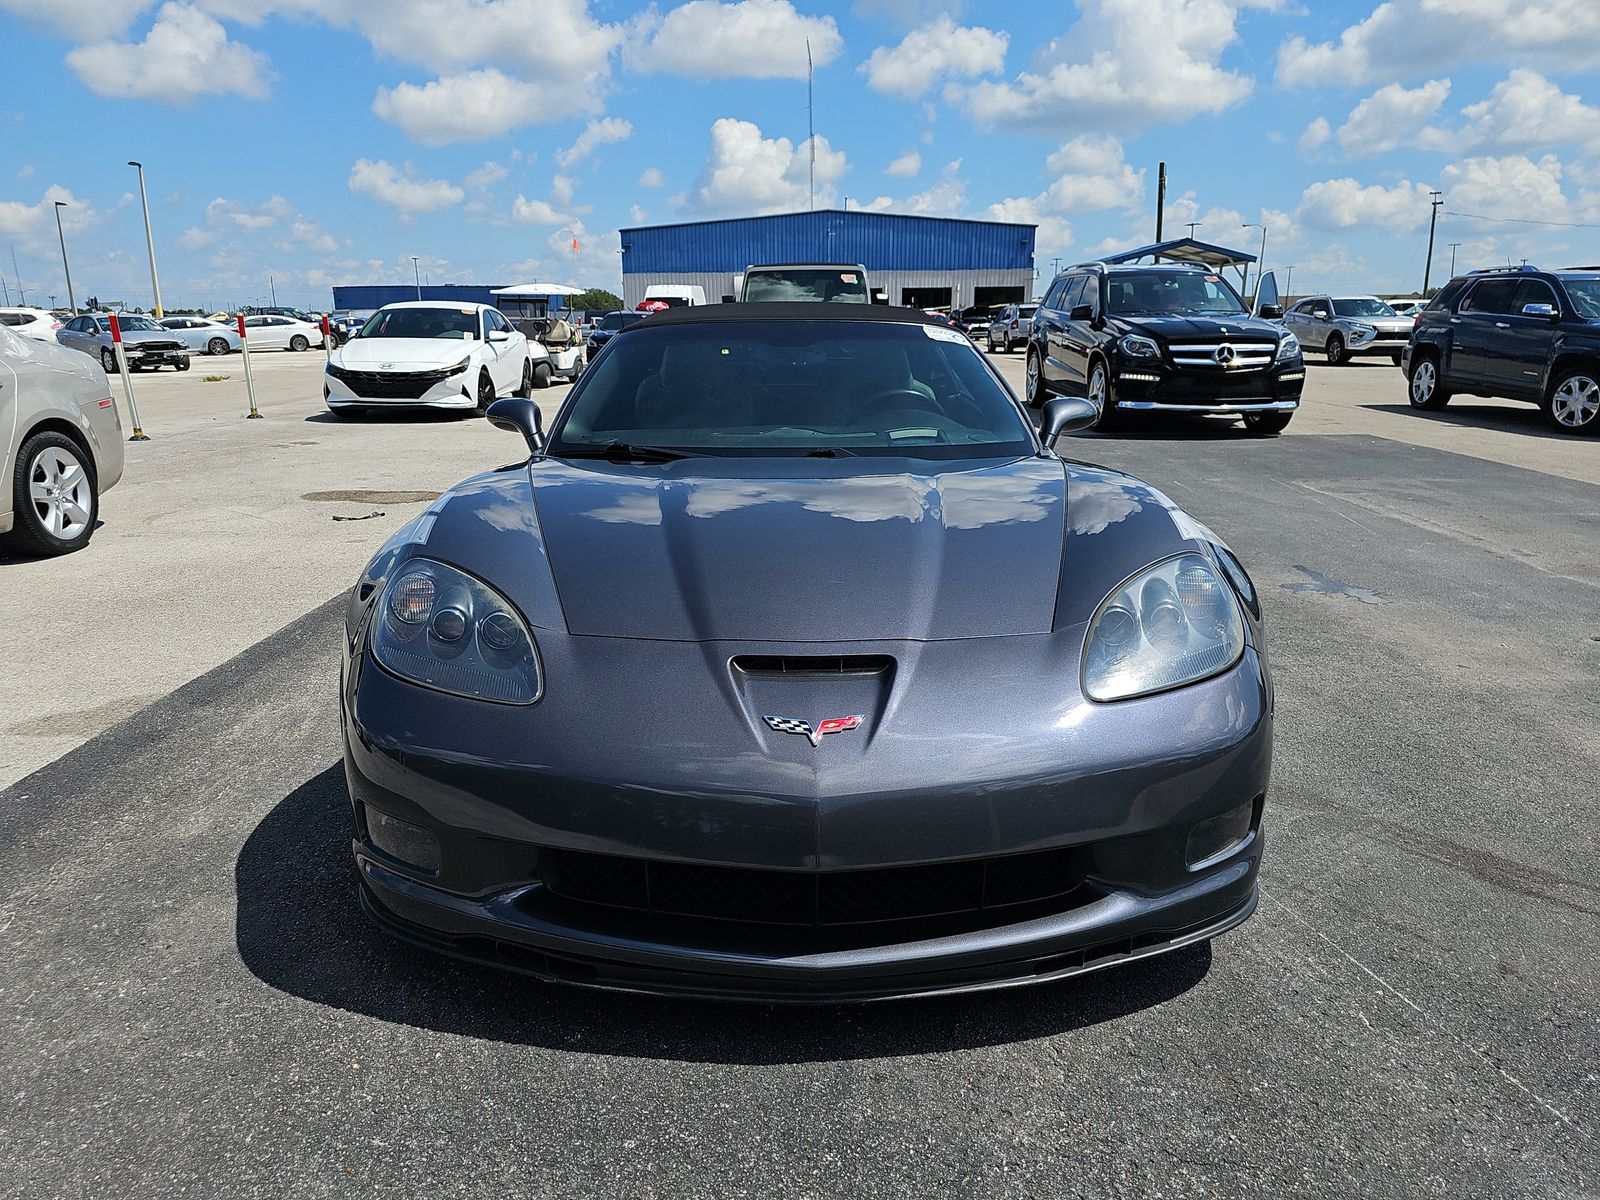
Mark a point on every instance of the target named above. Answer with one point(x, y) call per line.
point(1189, 250)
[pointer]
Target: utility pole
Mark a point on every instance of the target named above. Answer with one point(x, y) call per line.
point(1454, 246)
point(416, 273)
point(1433, 221)
point(272, 286)
point(1193, 225)
point(1161, 198)
point(1288, 284)
point(73, 304)
point(149, 240)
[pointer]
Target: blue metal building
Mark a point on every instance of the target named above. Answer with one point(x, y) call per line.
point(363, 297)
point(922, 262)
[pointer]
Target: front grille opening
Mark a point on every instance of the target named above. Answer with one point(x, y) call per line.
point(812, 664)
point(815, 899)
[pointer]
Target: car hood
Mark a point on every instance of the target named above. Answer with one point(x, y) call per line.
point(803, 550)
point(383, 354)
point(1179, 328)
point(132, 336)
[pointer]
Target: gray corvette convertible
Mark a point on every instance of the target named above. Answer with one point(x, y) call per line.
point(793, 664)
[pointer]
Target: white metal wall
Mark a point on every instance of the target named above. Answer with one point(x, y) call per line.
point(720, 283)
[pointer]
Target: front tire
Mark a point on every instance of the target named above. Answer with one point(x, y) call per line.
point(108, 360)
point(1424, 389)
point(182, 364)
point(1336, 352)
point(1267, 424)
point(1099, 390)
point(217, 346)
point(299, 343)
point(1034, 393)
point(485, 391)
point(1573, 405)
point(55, 497)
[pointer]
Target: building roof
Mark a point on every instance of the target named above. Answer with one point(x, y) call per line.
point(706, 314)
point(1189, 250)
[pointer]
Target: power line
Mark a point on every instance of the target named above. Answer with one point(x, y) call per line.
point(1526, 221)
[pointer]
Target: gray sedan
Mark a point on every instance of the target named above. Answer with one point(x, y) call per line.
point(716, 694)
point(202, 336)
point(1011, 326)
point(145, 343)
point(1343, 326)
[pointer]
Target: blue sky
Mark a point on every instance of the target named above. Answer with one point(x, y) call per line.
point(321, 143)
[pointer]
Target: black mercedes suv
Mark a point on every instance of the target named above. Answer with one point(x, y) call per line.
point(1516, 333)
point(1167, 337)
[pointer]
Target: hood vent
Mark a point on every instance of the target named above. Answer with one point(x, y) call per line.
point(805, 664)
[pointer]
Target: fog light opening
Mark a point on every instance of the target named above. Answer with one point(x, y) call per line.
point(1222, 836)
point(402, 841)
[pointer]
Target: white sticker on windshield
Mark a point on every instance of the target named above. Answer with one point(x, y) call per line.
point(847, 278)
point(943, 333)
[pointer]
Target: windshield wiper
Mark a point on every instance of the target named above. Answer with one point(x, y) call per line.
point(831, 452)
point(625, 452)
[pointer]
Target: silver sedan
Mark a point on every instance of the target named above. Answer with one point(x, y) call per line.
point(202, 336)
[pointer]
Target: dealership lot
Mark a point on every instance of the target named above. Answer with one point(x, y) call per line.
point(196, 1005)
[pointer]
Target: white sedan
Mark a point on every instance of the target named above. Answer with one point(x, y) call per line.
point(265, 332)
point(422, 352)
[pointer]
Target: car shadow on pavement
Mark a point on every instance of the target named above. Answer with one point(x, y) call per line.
point(396, 416)
point(1169, 427)
point(300, 929)
point(1510, 417)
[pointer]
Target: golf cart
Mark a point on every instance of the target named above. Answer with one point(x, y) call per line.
point(539, 311)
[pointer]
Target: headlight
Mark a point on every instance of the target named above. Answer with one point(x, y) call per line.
point(1136, 346)
point(465, 362)
point(444, 629)
point(1173, 624)
point(1288, 348)
point(1357, 328)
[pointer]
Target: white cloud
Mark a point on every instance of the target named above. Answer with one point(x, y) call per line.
point(595, 134)
point(400, 189)
point(21, 220)
point(561, 189)
point(944, 199)
point(1524, 112)
point(471, 107)
point(876, 204)
point(1316, 133)
point(1513, 186)
point(749, 39)
point(1104, 72)
point(1347, 203)
point(636, 215)
point(1055, 233)
point(1091, 174)
point(1390, 117)
point(907, 165)
point(486, 176)
point(1402, 39)
point(25, 171)
point(746, 173)
point(942, 50)
point(652, 178)
point(81, 22)
point(186, 54)
point(537, 212)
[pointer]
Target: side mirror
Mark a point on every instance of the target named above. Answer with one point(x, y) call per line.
point(1271, 312)
point(727, 299)
point(1540, 310)
point(1066, 414)
point(1081, 312)
point(1321, 314)
point(499, 335)
point(519, 415)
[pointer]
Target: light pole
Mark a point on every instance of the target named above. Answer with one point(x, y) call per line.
point(1288, 284)
point(1454, 246)
point(149, 239)
point(416, 273)
point(71, 303)
point(1261, 262)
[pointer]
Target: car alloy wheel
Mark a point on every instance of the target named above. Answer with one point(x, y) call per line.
point(485, 392)
point(1006, 344)
point(525, 388)
point(1575, 403)
point(53, 496)
point(217, 346)
point(1336, 355)
point(298, 343)
point(1424, 381)
point(108, 360)
point(1033, 386)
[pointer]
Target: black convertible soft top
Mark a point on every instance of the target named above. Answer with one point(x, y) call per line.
point(701, 314)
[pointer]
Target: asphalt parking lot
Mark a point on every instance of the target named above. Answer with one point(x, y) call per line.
point(194, 1006)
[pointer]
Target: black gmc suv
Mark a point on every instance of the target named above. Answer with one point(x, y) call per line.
point(1516, 333)
point(1164, 337)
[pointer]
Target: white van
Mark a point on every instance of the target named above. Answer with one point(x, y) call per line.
point(674, 295)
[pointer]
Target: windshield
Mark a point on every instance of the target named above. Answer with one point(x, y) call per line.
point(1159, 293)
point(459, 323)
point(619, 320)
point(131, 324)
point(827, 284)
point(1585, 297)
point(792, 388)
point(1366, 306)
